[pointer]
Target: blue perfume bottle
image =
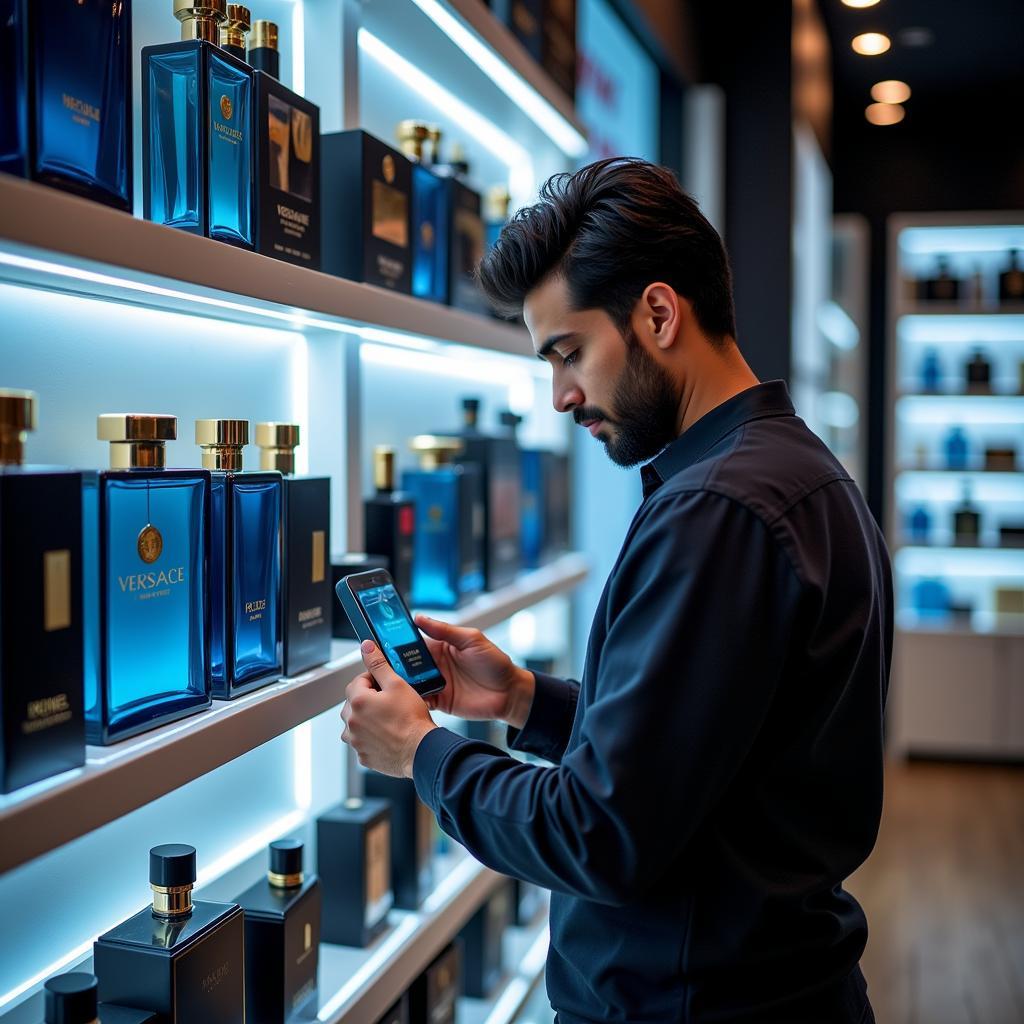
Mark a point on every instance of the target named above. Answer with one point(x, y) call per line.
point(955, 448)
point(66, 95)
point(496, 205)
point(429, 217)
point(197, 125)
point(920, 523)
point(245, 563)
point(448, 559)
point(931, 372)
point(144, 565)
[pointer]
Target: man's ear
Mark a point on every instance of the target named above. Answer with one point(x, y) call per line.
point(660, 312)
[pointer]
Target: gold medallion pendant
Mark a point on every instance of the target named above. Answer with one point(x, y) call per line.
point(150, 543)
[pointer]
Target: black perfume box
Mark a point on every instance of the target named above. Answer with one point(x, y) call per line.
point(367, 210)
point(390, 531)
point(353, 842)
point(433, 995)
point(42, 723)
point(481, 942)
point(287, 202)
point(308, 594)
point(111, 1013)
point(399, 1013)
point(412, 838)
point(466, 246)
point(342, 566)
point(556, 470)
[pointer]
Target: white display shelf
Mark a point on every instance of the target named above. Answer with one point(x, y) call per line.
point(946, 309)
point(49, 239)
point(127, 775)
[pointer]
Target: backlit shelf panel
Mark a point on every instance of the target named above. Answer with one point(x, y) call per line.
point(953, 562)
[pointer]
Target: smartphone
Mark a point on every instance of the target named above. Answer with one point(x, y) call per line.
point(378, 613)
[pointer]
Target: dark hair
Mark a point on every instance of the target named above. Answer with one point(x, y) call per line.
point(611, 229)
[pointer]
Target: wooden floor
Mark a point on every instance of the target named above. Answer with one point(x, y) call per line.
point(944, 895)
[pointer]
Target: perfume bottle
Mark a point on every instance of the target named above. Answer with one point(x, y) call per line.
point(1011, 281)
point(920, 523)
point(966, 521)
point(367, 211)
point(931, 598)
point(390, 521)
point(306, 589)
point(287, 162)
point(931, 373)
point(524, 18)
point(42, 724)
point(144, 565)
point(955, 448)
point(182, 960)
point(482, 939)
point(499, 460)
point(433, 994)
point(282, 939)
point(197, 109)
point(66, 96)
point(245, 563)
point(496, 210)
point(353, 844)
point(979, 374)
point(943, 287)
point(234, 29)
point(447, 566)
point(72, 999)
point(429, 216)
point(412, 838)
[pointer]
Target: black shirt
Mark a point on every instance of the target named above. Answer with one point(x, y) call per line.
point(718, 771)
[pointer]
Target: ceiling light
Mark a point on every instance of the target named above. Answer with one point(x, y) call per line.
point(860, 4)
point(885, 113)
point(890, 91)
point(870, 44)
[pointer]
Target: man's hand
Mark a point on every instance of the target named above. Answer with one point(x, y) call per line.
point(384, 726)
point(483, 684)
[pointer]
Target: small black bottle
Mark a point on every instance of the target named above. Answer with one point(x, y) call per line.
point(1011, 281)
point(282, 939)
point(979, 374)
point(966, 522)
point(943, 287)
point(71, 999)
point(390, 521)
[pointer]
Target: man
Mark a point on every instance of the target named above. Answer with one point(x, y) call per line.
point(717, 773)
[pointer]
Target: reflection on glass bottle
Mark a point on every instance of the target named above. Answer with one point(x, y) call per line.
point(180, 959)
point(429, 216)
point(1011, 281)
point(145, 532)
point(245, 563)
point(390, 521)
point(65, 96)
point(943, 287)
point(966, 521)
point(920, 523)
point(979, 374)
point(931, 372)
point(197, 130)
point(955, 448)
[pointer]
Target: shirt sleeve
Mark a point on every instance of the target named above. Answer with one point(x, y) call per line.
point(699, 617)
point(547, 728)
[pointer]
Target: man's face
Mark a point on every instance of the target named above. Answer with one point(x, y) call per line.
point(609, 383)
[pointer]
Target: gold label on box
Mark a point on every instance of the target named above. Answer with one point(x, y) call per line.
point(319, 556)
point(390, 214)
point(56, 590)
point(378, 863)
point(45, 713)
point(387, 168)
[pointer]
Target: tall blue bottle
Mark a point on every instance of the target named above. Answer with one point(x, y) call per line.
point(429, 217)
point(448, 559)
point(245, 563)
point(66, 95)
point(197, 130)
point(145, 532)
point(955, 448)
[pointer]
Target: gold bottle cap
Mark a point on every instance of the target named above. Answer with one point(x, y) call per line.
point(200, 19)
point(384, 467)
point(434, 451)
point(263, 35)
point(277, 443)
point(412, 137)
point(137, 439)
point(19, 411)
point(497, 202)
point(435, 135)
point(234, 30)
point(222, 442)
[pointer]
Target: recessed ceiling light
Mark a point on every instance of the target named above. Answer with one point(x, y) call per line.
point(885, 113)
point(890, 91)
point(860, 3)
point(870, 44)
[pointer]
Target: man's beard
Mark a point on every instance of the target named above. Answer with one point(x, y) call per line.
point(645, 409)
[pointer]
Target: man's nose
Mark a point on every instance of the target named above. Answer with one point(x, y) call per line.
point(565, 396)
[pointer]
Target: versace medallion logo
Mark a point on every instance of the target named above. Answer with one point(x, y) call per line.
point(307, 936)
point(387, 167)
point(427, 235)
point(226, 108)
point(150, 544)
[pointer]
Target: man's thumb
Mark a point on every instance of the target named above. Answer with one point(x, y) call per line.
point(379, 667)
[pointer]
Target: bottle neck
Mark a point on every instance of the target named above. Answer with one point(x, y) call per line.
point(12, 447)
point(224, 457)
point(206, 29)
point(281, 459)
point(172, 901)
point(285, 881)
point(138, 455)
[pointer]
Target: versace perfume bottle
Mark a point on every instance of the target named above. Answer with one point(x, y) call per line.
point(433, 995)
point(367, 211)
point(429, 216)
point(955, 448)
point(234, 29)
point(182, 960)
point(353, 843)
point(66, 95)
point(496, 213)
point(966, 521)
point(306, 534)
point(42, 724)
point(447, 566)
point(412, 838)
point(390, 521)
point(287, 137)
point(72, 999)
point(943, 287)
point(282, 939)
point(1011, 281)
point(931, 373)
point(197, 110)
point(145, 554)
point(499, 461)
point(481, 941)
point(245, 563)
point(978, 374)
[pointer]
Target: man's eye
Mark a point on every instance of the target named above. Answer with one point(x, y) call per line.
point(571, 357)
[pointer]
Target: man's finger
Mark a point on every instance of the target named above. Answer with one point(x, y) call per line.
point(460, 637)
point(373, 658)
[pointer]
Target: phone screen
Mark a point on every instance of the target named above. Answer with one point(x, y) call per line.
point(397, 635)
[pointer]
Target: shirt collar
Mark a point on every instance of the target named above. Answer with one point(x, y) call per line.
point(769, 399)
